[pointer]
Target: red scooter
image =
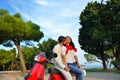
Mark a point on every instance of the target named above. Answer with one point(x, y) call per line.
point(37, 72)
point(55, 75)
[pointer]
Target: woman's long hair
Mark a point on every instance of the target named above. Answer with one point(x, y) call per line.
point(71, 46)
point(71, 43)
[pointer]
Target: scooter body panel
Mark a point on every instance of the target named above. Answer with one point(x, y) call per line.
point(55, 74)
point(56, 77)
point(36, 73)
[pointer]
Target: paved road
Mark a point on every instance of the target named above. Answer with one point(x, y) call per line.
point(90, 76)
point(102, 76)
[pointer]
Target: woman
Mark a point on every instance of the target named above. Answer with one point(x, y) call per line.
point(71, 58)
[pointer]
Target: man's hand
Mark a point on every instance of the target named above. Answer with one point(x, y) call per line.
point(67, 69)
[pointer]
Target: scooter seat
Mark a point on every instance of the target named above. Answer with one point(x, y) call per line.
point(53, 71)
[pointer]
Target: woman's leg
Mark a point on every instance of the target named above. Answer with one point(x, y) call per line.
point(74, 69)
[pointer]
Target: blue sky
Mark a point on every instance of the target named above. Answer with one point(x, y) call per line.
point(55, 17)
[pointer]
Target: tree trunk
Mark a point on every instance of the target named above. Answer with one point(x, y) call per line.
point(102, 1)
point(103, 60)
point(113, 52)
point(117, 56)
point(22, 62)
point(11, 67)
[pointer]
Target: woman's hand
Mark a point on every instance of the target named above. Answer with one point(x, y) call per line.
point(79, 66)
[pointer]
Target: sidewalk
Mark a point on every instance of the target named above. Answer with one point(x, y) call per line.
point(11, 75)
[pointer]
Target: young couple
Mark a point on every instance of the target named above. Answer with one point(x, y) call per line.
point(67, 60)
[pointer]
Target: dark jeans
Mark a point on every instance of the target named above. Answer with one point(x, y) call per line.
point(74, 69)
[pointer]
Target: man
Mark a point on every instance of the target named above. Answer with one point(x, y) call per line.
point(58, 60)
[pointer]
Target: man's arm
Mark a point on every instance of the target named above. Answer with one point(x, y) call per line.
point(58, 60)
point(64, 55)
point(65, 63)
point(64, 58)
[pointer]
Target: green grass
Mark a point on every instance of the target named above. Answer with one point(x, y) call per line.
point(117, 71)
point(101, 70)
point(95, 70)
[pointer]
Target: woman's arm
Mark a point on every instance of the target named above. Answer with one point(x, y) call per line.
point(77, 61)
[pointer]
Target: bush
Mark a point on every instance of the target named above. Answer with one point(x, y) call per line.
point(114, 63)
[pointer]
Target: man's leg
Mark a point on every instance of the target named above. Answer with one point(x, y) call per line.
point(66, 74)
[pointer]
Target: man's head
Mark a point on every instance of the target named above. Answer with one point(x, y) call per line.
point(61, 39)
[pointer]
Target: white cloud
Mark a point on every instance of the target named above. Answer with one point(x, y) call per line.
point(41, 2)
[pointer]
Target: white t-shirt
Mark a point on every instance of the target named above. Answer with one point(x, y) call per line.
point(58, 60)
point(70, 55)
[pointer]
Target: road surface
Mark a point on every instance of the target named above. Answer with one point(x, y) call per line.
point(90, 76)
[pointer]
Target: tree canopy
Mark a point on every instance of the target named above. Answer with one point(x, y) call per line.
point(14, 28)
point(6, 57)
point(100, 28)
point(47, 47)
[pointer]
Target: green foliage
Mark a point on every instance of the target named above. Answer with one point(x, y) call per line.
point(29, 54)
point(109, 53)
point(90, 57)
point(47, 47)
point(92, 33)
point(100, 30)
point(3, 12)
point(17, 15)
point(99, 70)
point(94, 70)
point(8, 60)
point(12, 27)
point(34, 34)
point(114, 63)
point(5, 56)
point(117, 71)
